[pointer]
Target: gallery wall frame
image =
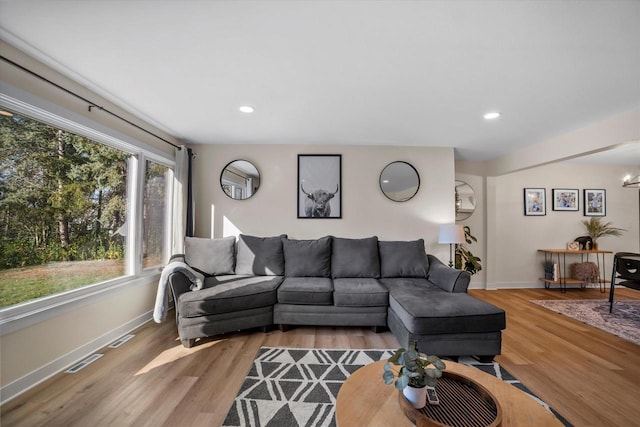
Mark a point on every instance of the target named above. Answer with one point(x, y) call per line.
point(319, 186)
point(595, 202)
point(566, 199)
point(535, 203)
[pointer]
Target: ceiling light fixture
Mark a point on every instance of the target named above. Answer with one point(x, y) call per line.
point(492, 115)
point(630, 181)
point(246, 109)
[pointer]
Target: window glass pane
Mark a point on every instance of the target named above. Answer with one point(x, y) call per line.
point(62, 210)
point(155, 207)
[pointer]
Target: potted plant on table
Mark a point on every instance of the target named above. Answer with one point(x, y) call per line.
point(596, 228)
point(414, 375)
point(548, 269)
point(464, 259)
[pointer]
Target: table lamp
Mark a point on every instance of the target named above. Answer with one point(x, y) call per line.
point(451, 234)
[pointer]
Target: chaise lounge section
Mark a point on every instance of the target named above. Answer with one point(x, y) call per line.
point(332, 281)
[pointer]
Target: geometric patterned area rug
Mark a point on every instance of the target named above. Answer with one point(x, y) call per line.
point(623, 322)
point(291, 387)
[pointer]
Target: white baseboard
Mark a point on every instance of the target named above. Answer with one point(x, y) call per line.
point(32, 379)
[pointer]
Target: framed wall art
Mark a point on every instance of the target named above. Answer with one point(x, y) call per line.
point(595, 202)
point(535, 201)
point(565, 199)
point(319, 186)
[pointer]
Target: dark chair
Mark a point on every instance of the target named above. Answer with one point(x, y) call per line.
point(626, 272)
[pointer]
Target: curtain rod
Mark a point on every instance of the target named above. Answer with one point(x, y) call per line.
point(91, 103)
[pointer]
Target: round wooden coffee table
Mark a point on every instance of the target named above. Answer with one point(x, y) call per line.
point(365, 400)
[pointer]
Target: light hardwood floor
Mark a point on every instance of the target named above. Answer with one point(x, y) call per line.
point(591, 377)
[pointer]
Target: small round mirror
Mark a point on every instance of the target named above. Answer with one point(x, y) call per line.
point(399, 181)
point(240, 179)
point(465, 201)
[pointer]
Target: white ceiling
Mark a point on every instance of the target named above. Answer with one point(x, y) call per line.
point(347, 72)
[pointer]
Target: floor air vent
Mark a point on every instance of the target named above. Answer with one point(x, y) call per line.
point(86, 362)
point(117, 343)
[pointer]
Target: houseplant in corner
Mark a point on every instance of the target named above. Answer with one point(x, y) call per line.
point(414, 374)
point(596, 228)
point(465, 260)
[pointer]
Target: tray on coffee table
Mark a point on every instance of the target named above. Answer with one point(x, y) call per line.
point(463, 402)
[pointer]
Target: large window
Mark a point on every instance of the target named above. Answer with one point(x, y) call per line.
point(66, 211)
point(155, 234)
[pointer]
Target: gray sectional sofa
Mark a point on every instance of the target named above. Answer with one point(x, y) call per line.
point(265, 281)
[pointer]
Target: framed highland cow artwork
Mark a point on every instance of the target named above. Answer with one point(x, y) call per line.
point(319, 186)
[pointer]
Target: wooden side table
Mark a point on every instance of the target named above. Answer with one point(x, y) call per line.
point(365, 400)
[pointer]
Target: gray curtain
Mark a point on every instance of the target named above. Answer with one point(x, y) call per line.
point(183, 216)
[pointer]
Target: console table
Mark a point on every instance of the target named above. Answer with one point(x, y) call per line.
point(564, 278)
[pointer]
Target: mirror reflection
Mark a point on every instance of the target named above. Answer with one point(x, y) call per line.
point(240, 179)
point(465, 200)
point(399, 181)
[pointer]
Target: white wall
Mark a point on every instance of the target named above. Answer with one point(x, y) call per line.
point(365, 210)
point(511, 253)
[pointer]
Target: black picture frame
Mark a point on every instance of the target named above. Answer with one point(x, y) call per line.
point(595, 202)
point(535, 203)
point(566, 199)
point(319, 186)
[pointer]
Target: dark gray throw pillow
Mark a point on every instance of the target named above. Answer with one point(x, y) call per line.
point(355, 258)
point(307, 258)
point(260, 256)
point(403, 259)
point(212, 257)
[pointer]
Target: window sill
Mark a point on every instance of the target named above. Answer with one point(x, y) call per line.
point(22, 315)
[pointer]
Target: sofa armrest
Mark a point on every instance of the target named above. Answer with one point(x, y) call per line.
point(447, 278)
point(180, 284)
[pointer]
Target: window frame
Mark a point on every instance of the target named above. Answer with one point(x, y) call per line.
point(24, 314)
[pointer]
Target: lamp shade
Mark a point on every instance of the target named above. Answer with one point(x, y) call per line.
point(451, 233)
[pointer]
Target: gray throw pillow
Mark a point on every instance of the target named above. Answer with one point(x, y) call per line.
point(260, 256)
point(355, 258)
point(403, 259)
point(212, 257)
point(307, 258)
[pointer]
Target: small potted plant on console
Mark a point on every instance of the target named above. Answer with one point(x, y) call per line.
point(414, 375)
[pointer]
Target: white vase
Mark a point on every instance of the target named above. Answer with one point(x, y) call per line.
point(417, 396)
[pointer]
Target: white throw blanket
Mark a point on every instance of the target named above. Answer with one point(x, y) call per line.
point(162, 297)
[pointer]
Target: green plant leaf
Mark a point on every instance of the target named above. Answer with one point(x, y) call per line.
point(402, 382)
point(388, 377)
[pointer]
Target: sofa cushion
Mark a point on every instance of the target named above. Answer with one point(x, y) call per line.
point(403, 259)
point(260, 256)
point(307, 258)
point(226, 294)
point(409, 285)
point(211, 257)
point(355, 258)
point(306, 290)
point(359, 292)
point(440, 312)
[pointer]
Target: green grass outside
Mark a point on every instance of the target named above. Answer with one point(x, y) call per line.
point(25, 284)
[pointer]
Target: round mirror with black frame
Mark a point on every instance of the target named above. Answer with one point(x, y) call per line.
point(240, 179)
point(465, 200)
point(399, 181)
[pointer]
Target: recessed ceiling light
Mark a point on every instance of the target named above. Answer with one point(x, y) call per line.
point(246, 109)
point(492, 115)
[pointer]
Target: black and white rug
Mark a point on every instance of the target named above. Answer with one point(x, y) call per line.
point(289, 387)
